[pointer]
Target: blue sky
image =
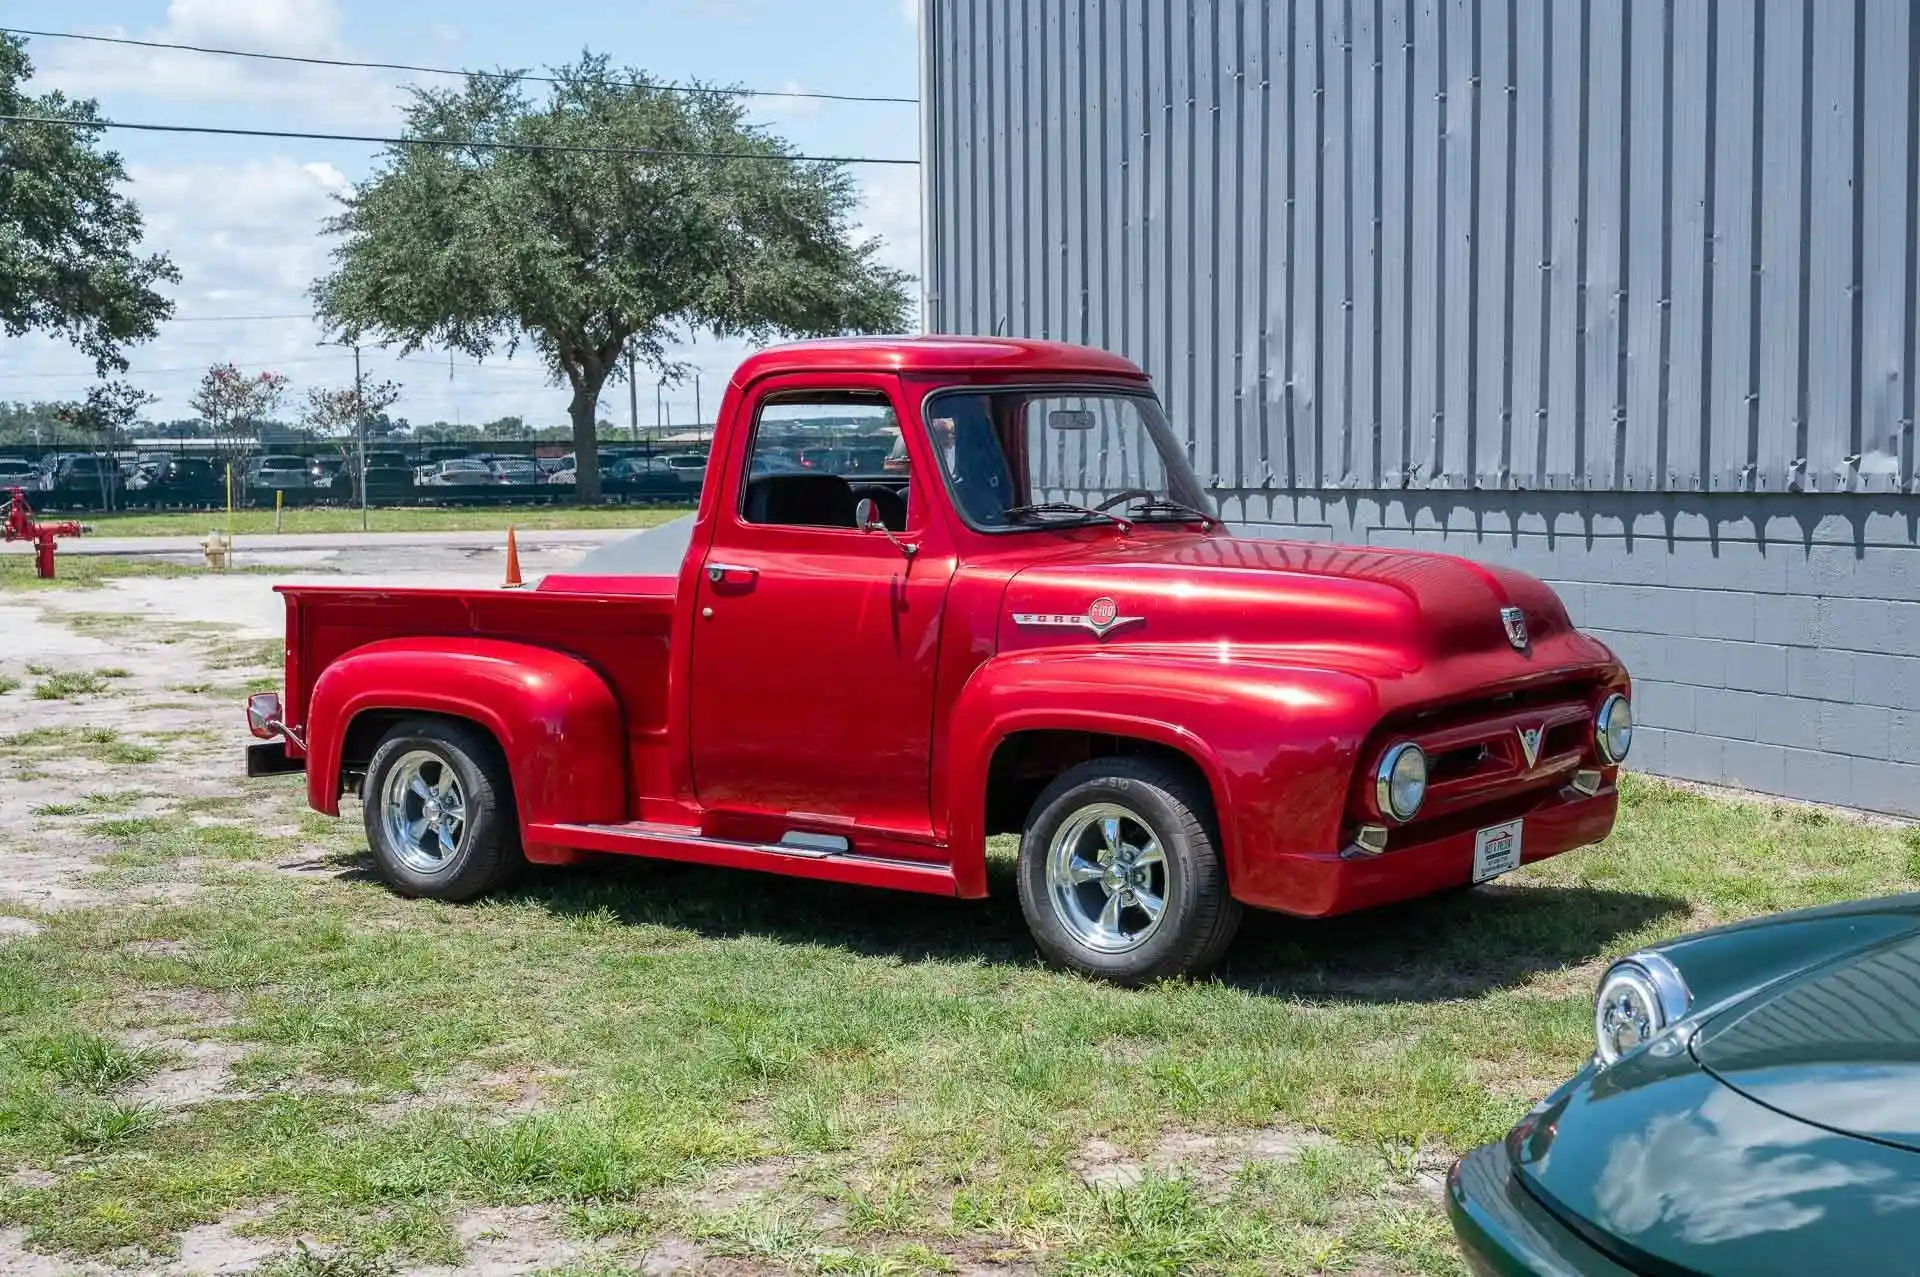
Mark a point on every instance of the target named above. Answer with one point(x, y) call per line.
point(240, 215)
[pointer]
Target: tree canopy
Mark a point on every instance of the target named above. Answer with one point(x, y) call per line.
point(68, 237)
point(586, 255)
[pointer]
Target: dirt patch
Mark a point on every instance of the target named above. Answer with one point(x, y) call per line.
point(32, 1180)
point(498, 1095)
point(503, 1241)
point(198, 1071)
point(1210, 1159)
point(672, 1256)
point(736, 1185)
point(50, 875)
point(17, 928)
point(17, 1261)
point(212, 1250)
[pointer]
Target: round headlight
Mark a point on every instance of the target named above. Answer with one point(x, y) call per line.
point(1640, 998)
point(1400, 784)
point(1613, 728)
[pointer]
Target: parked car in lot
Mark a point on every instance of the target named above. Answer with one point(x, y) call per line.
point(83, 480)
point(690, 467)
point(275, 473)
point(1752, 1107)
point(192, 483)
point(645, 478)
point(456, 472)
point(18, 472)
point(862, 681)
point(516, 471)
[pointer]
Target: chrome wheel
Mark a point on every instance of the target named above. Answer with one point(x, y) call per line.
point(424, 810)
point(1107, 878)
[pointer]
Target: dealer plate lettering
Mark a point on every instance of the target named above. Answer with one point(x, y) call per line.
point(1496, 850)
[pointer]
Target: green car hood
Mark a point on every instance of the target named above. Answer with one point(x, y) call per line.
point(1671, 1171)
point(1837, 1046)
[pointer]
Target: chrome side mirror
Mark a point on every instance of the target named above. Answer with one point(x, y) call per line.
point(866, 517)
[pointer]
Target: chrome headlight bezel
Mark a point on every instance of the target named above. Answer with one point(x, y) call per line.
point(1608, 724)
point(1394, 773)
point(1644, 982)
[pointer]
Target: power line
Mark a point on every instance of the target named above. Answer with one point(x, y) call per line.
point(424, 70)
point(449, 144)
point(230, 319)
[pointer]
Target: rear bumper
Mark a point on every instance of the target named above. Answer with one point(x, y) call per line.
point(1321, 884)
point(270, 758)
point(1504, 1232)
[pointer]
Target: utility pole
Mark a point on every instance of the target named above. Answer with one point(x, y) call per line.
point(360, 423)
point(633, 401)
point(360, 419)
point(659, 411)
point(697, 418)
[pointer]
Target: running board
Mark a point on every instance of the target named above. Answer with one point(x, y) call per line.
point(671, 842)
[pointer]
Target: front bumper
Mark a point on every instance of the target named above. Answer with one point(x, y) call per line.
point(270, 758)
point(1504, 1232)
point(1321, 884)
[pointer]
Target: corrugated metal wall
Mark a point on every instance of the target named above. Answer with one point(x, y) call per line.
point(1362, 244)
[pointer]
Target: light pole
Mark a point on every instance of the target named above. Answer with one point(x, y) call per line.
point(359, 423)
point(633, 401)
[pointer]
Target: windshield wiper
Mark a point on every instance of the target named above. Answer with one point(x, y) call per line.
point(1180, 511)
point(1061, 507)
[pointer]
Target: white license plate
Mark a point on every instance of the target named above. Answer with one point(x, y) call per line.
point(1496, 850)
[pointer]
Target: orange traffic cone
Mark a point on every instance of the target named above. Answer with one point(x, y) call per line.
point(513, 581)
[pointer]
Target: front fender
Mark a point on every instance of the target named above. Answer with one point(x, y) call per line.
point(1276, 743)
point(557, 721)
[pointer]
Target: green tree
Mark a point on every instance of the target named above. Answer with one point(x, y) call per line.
point(586, 255)
point(68, 236)
point(106, 417)
point(235, 406)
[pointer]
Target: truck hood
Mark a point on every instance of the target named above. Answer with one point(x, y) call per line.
point(1398, 607)
point(1838, 1046)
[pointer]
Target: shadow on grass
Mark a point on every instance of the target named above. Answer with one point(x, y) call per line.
point(1457, 945)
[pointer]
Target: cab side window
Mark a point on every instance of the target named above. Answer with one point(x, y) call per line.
point(816, 455)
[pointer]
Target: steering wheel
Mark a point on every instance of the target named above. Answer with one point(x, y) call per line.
point(1130, 494)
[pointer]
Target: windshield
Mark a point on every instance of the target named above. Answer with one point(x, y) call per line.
point(1033, 457)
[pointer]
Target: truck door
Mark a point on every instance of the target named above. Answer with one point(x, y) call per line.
point(815, 642)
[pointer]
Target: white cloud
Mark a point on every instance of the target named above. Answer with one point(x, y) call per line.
point(890, 208)
point(306, 28)
point(788, 102)
point(309, 27)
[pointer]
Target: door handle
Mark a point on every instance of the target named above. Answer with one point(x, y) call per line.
point(718, 572)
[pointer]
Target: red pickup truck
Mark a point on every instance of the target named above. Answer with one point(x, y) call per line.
point(1036, 625)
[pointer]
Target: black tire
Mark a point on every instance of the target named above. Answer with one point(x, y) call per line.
point(487, 849)
point(1200, 915)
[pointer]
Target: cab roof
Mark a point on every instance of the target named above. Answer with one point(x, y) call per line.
point(934, 354)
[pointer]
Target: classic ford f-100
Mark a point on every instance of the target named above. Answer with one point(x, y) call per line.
point(1027, 619)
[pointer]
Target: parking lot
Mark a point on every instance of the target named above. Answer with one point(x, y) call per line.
point(228, 1045)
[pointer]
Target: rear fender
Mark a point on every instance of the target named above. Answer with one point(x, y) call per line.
point(1276, 744)
point(557, 721)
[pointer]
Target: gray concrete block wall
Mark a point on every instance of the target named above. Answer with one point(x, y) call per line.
point(1774, 641)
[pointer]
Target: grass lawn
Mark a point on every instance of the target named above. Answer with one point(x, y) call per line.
point(91, 571)
point(395, 519)
point(784, 1076)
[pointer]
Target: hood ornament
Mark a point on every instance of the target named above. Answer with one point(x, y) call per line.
point(1515, 622)
point(1529, 744)
point(1102, 615)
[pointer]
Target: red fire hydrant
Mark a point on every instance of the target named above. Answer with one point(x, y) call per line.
point(21, 527)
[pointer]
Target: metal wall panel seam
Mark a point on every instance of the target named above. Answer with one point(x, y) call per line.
point(1910, 344)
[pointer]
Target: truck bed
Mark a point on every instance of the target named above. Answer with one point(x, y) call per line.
point(621, 633)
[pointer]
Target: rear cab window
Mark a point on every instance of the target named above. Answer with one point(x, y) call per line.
point(812, 460)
